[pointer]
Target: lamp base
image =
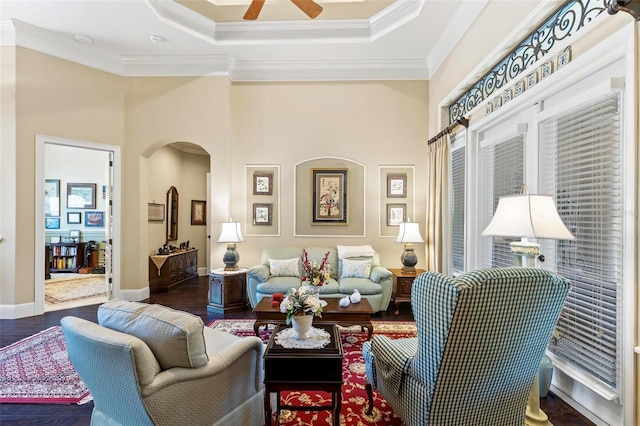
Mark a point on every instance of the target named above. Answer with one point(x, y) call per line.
point(231, 258)
point(409, 259)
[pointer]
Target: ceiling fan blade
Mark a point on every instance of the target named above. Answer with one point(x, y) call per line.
point(310, 7)
point(254, 10)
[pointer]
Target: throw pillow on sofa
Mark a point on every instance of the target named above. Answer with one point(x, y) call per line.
point(284, 267)
point(355, 268)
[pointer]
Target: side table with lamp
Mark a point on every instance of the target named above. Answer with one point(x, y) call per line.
point(408, 234)
point(528, 216)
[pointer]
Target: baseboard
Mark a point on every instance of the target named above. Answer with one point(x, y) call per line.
point(134, 295)
point(23, 310)
point(202, 272)
point(577, 406)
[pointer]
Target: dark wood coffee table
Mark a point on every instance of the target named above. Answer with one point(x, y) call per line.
point(303, 369)
point(354, 314)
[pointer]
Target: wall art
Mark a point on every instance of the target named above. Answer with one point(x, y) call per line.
point(52, 197)
point(329, 196)
point(198, 212)
point(397, 186)
point(262, 183)
point(262, 214)
point(81, 195)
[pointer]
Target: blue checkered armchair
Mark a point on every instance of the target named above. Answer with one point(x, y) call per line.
point(480, 341)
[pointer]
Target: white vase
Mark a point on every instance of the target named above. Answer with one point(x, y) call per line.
point(301, 325)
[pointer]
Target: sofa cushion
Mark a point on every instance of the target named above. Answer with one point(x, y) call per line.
point(356, 268)
point(278, 285)
point(363, 285)
point(175, 337)
point(330, 287)
point(285, 267)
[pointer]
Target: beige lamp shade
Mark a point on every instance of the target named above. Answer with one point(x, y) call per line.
point(409, 232)
point(231, 233)
point(527, 216)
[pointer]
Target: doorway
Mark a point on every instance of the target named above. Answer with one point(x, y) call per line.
point(80, 231)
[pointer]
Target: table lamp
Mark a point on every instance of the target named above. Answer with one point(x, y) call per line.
point(231, 234)
point(409, 233)
point(528, 216)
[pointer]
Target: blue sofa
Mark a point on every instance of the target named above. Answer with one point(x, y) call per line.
point(351, 267)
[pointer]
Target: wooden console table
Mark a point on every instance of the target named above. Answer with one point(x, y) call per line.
point(169, 270)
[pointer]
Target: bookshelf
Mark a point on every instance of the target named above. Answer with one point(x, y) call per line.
point(66, 257)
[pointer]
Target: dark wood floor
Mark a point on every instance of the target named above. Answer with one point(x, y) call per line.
point(191, 297)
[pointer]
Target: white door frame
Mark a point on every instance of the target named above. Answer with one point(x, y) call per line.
point(41, 140)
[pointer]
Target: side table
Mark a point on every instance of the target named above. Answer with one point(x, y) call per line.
point(227, 290)
point(404, 281)
point(304, 370)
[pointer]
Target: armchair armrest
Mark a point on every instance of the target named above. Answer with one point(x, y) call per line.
point(392, 359)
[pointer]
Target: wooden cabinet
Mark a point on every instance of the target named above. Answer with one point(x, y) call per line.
point(173, 269)
point(65, 257)
point(227, 291)
point(404, 282)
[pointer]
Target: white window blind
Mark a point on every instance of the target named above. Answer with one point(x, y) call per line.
point(580, 164)
point(503, 165)
point(458, 188)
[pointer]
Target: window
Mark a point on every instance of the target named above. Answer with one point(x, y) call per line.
point(503, 165)
point(458, 189)
point(580, 164)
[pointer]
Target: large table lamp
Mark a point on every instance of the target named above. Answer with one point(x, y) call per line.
point(528, 216)
point(231, 234)
point(408, 234)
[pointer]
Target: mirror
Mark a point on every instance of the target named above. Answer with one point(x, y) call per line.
point(172, 214)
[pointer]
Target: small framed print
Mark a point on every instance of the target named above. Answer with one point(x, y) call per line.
point(488, 109)
point(507, 95)
point(546, 69)
point(396, 214)
point(55, 240)
point(262, 214)
point(94, 219)
point(532, 79)
point(518, 88)
point(81, 195)
point(262, 183)
point(564, 58)
point(74, 235)
point(74, 218)
point(497, 102)
point(52, 197)
point(397, 186)
point(155, 212)
point(198, 212)
point(51, 223)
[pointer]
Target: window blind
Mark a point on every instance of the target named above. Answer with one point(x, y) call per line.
point(458, 188)
point(580, 164)
point(503, 174)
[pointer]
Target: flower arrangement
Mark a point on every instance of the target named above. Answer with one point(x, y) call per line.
point(315, 274)
point(301, 301)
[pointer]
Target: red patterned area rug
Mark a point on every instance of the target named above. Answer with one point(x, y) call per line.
point(354, 397)
point(37, 370)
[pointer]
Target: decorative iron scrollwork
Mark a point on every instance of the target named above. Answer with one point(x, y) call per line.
point(567, 20)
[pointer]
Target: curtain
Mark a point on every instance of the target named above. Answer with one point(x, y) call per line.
point(438, 226)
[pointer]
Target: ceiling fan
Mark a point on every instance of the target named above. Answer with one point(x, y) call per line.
point(309, 7)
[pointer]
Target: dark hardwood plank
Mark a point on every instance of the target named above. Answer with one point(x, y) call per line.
point(192, 297)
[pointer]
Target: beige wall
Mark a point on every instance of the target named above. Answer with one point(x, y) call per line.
point(56, 98)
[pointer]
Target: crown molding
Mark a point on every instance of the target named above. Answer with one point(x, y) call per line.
point(259, 32)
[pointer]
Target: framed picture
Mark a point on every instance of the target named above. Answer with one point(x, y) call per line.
point(329, 196)
point(397, 186)
point(81, 196)
point(564, 58)
point(155, 212)
point(52, 197)
point(396, 214)
point(262, 214)
point(532, 79)
point(546, 69)
point(74, 235)
point(94, 219)
point(54, 240)
point(51, 223)
point(74, 218)
point(198, 212)
point(262, 183)
point(518, 88)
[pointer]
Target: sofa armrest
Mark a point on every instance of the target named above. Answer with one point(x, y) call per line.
point(256, 275)
point(378, 273)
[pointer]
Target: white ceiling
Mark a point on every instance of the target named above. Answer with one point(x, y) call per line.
point(406, 39)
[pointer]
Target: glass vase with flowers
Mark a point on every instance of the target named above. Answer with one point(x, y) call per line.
point(315, 274)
